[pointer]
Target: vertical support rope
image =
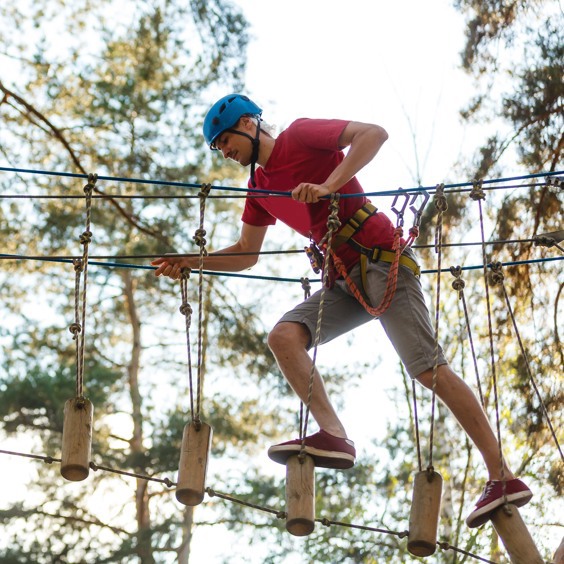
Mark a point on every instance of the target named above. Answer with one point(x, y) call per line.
point(200, 239)
point(333, 224)
point(458, 284)
point(497, 277)
point(81, 267)
point(477, 194)
point(186, 310)
point(442, 206)
point(416, 418)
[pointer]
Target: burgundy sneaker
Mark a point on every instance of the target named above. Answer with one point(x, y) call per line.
point(516, 492)
point(326, 450)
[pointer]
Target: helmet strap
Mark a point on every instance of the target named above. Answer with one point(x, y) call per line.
point(254, 154)
point(255, 141)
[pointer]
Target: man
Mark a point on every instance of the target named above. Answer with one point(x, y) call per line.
point(308, 162)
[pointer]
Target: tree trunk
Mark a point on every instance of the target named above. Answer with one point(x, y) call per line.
point(187, 524)
point(144, 548)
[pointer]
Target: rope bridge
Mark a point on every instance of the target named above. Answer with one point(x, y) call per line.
point(185, 483)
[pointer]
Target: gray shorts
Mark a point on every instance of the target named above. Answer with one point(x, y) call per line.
point(406, 322)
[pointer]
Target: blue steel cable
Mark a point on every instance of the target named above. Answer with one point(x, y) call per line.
point(270, 192)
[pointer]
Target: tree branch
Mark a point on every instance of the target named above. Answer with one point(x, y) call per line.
point(58, 134)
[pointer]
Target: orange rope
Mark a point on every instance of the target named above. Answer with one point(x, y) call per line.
point(391, 284)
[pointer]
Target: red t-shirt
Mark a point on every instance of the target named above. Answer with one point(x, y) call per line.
point(308, 151)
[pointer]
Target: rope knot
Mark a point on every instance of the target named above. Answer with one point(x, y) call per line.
point(77, 263)
point(75, 329)
point(185, 273)
point(440, 198)
point(414, 232)
point(86, 237)
point(333, 223)
point(459, 285)
point(186, 309)
point(496, 275)
point(200, 238)
point(326, 522)
point(204, 191)
point(477, 193)
point(92, 178)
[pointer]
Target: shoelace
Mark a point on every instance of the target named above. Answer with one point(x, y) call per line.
point(487, 490)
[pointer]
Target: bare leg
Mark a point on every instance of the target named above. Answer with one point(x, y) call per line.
point(463, 404)
point(288, 342)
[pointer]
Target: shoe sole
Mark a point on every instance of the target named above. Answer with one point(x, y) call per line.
point(482, 515)
point(321, 458)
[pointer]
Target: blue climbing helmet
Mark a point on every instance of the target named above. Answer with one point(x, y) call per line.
point(225, 113)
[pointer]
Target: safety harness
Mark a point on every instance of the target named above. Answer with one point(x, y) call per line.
point(367, 254)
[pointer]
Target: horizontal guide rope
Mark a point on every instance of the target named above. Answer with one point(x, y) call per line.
point(249, 253)
point(260, 195)
point(275, 192)
point(258, 277)
point(277, 513)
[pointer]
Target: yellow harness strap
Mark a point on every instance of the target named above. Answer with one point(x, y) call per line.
point(353, 225)
point(375, 255)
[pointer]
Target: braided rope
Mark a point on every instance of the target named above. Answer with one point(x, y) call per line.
point(333, 224)
point(477, 194)
point(81, 270)
point(416, 421)
point(200, 240)
point(186, 310)
point(391, 283)
point(397, 248)
point(442, 206)
point(497, 277)
point(458, 284)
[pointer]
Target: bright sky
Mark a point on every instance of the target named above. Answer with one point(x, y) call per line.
point(391, 63)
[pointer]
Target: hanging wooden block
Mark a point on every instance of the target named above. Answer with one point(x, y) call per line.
point(424, 515)
point(300, 495)
point(515, 536)
point(77, 439)
point(196, 444)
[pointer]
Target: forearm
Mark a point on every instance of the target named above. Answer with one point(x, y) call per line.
point(241, 255)
point(230, 259)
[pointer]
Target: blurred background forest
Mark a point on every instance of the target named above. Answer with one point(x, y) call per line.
point(120, 89)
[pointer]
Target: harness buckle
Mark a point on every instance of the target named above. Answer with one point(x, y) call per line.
point(375, 254)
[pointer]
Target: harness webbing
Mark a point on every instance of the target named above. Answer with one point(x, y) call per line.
point(375, 254)
point(353, 225)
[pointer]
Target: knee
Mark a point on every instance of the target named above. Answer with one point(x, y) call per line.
point(288, 335)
